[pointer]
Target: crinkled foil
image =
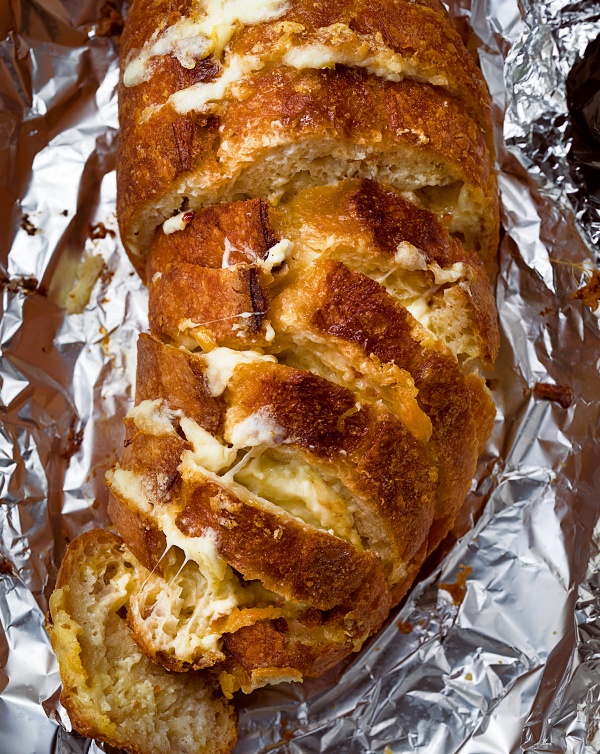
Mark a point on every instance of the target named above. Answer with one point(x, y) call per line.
point(497, 650)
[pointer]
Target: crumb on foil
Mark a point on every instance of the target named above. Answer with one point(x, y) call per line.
point(561, 394)
point(458, 588)
point(28, 226)
point(88, 272)
point(110, 23)
point(590, 292)
point(99, 230)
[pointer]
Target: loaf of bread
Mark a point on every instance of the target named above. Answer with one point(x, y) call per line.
point(308, 190)
point(111, 690)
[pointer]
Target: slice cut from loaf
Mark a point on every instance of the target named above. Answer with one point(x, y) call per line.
point(111, 690)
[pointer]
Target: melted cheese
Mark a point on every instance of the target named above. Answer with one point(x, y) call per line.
point(409, 257)
point(447, 274)
point(177, 222)
point(201, 96)
point(277, 254)
point(153, 418)
point(297, 488)
point(208, 452)
point(130, 486)
point(191, 40)
point(184, 40)
point(257, 429)
point(221, 364)
point(333, 45)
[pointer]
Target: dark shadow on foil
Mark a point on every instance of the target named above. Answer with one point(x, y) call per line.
point(583, 99)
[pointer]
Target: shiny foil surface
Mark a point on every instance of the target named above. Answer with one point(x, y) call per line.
point(497, 648)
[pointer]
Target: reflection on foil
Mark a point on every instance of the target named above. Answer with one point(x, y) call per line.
point(497, 650)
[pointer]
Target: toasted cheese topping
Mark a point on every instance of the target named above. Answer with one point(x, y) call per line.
point(153, 418)
point(201, 96)
point(183, 40)
point(257, 429)
point(409, 257)
point(329, 46)
point(221, 364)
point(190, 40)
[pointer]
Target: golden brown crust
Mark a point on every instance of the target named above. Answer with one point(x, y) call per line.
point(333, 109)
point(349, 307)
point(216, 237)
point(139, 531)
point(344, 591)
point(373, 454)
point(228, 304)
point(359, 222)
point(176, 377)
point(378, 441)
point(421, 36)
point(272, 645)
point(318, 569)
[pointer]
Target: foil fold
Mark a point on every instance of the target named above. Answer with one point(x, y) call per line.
point(497, 649)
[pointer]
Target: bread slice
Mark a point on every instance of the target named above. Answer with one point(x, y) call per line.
point(316, 588)
point(111, 690)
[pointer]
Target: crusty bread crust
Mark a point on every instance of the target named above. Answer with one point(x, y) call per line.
point(363, 223)
point(347, 307)
point(205, 159)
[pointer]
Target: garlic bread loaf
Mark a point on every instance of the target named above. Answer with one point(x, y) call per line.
point(305, 428)
point(308, 190)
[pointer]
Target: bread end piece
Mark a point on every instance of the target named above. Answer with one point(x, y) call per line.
point(111, 690)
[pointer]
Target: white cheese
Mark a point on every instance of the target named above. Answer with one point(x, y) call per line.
point(191, 40)
point(200, 96)
point(277, 254)
point(269, 332)
point(177, 222)
point(131, 486)
point(221, 364)
point(409, 257)
point(153, 418)
point(301, 491)
point(208, 452)
point(448, 274)
point(257, 429)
